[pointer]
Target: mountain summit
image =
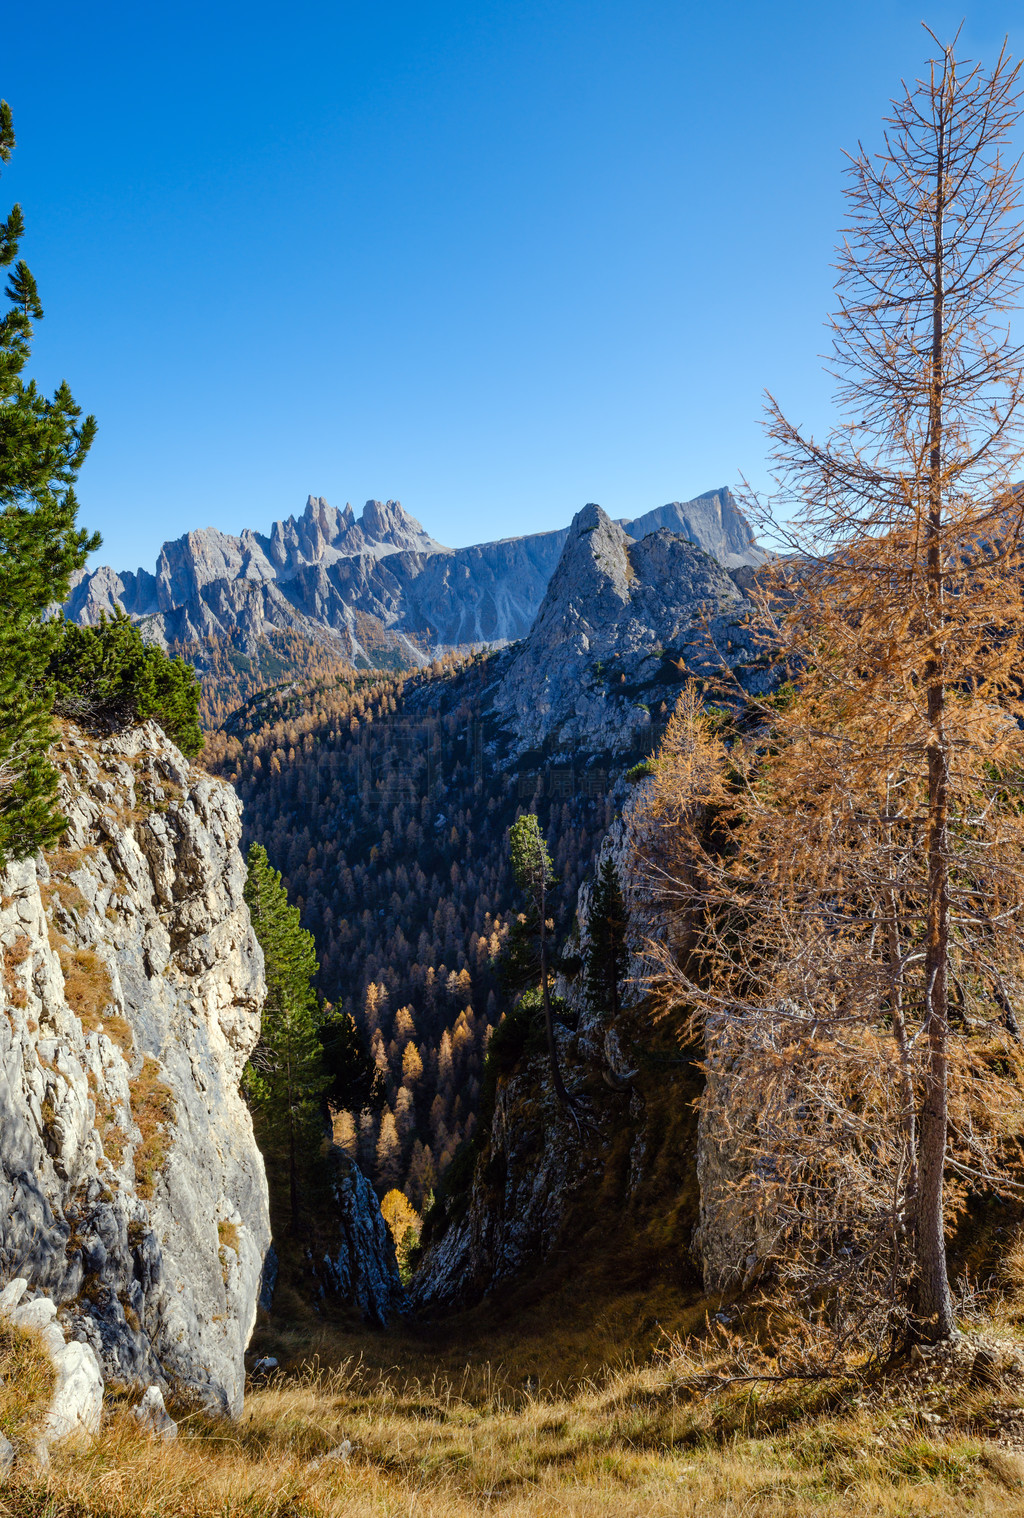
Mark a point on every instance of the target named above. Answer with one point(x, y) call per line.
point(615, 611)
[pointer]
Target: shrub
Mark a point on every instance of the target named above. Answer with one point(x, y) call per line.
point(107, 676)
point(14, 956)
point(641, 771)
point(87, 987)
point(153, 1110)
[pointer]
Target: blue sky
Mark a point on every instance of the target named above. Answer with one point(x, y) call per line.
point(493, 259)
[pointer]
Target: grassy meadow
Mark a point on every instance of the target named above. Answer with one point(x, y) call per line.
point(550, 1408)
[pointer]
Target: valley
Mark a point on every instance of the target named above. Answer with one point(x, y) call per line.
point(542, 1325)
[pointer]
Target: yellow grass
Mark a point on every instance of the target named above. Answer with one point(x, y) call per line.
point(625, 1445)
point(14, 956)
point(153, 1110)
point(67, 893)
point(26, 1383)
point(87, 987)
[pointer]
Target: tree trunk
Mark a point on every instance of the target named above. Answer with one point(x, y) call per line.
point(908, 1112)
point(293, 1163)
point(556, 1073)
point(934, 1303)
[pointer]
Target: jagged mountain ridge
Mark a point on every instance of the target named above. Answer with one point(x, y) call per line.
point(333, 576)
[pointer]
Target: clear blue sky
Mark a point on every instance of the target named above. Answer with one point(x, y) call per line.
point(495, 258)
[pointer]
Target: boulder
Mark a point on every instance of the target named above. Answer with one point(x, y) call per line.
point(153, 1417)
point(35, 1314)
point(12, 1295)
point(78, 1398)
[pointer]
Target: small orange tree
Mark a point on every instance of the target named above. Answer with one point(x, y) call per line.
point(850, 869)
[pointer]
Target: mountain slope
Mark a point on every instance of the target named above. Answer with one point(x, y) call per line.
point(713, 521)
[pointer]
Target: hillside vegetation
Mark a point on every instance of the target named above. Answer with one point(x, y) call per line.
point(377, 799)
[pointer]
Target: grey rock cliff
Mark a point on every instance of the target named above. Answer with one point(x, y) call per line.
point(532, 1168)
point(132, 1192)
point(613, 611)
point(367, 585)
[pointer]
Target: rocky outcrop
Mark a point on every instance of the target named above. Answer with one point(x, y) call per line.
point(377, 586)
point(615, 615)
point(360, 1266)
point(132, 1193)
point(533, 1166)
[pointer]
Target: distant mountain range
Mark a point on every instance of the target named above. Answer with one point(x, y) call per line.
point(377, 587)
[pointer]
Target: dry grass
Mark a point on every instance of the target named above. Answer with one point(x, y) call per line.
point(112, 1134)
point(153, 1110)
point(227, 1233)
point(87, 986)
point(227, 1237)
point(66, 861)
point(26, 1383)
point(494, 1412)
point(68, 894)
point(88, 991)
point(14, 956)
point(624, 1445)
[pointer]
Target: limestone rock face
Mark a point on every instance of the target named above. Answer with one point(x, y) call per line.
point(535, 1168)
point(340, 579)
point(131, 1190)
point(613, 611)
point(360, 1267)
point(713, 521)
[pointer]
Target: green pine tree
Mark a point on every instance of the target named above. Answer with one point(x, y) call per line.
point(285, 1079)
point(108, 674)
point(606, 948)
point(534, 872)
point(355, 1083)
point(42, 445)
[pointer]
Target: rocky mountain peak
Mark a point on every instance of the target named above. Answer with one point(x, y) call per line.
point(713, 520)
point(330, 573)
point(614, 608)
point(595, 561)
point(387, 522)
